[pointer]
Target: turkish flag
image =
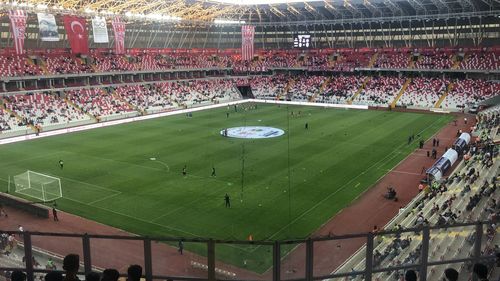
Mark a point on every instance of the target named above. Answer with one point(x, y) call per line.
point(77, 34)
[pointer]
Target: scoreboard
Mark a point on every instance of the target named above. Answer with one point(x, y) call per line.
point(302, 41)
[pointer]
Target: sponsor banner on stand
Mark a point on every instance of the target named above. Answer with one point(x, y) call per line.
point(47, 27)
point(100, 30)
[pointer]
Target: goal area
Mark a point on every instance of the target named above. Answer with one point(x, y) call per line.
point(39, 186)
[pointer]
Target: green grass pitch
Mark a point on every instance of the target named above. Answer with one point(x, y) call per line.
point(108, 175)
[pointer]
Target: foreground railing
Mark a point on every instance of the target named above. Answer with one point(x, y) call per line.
point(211, 259)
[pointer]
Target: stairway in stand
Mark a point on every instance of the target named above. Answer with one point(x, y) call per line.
point(360, 89)
point(320, 91)
point(401, 92)
point(289, 85)
point(443, 97)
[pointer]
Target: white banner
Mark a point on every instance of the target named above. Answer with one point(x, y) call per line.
point(100, 30)
point(47, 27)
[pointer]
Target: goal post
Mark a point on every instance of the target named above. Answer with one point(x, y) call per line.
point(36, 185)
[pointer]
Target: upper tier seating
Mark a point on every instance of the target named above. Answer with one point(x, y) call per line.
point(17, 66)
point(392, 60)
point(65, 65)
point(481, 60)
point(111, 62)
point(349, 61)
point(434, 60)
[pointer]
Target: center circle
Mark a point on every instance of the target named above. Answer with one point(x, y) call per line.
point(252, 132)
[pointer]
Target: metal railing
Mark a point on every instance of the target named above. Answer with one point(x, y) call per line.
point(276, 269)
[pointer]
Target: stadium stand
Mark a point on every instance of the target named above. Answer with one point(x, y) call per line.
point(98, 102)
point(480, 60)
point(7, 121)
point(268, 87)
point(16, 66)
point(466, 92)
point(424, 92)
point(305, 87)
point(434, 60)
point(65, 64)
point(43, 109)
point(470, 194)
point(147, 98)
point(392, 60)
point(380, 91)
point(339, 89)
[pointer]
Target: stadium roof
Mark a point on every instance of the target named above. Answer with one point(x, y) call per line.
point(262, 11)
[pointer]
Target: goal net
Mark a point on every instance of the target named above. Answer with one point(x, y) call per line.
point(42, 187)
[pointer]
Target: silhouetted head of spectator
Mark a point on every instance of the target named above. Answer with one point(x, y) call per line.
point(134, 272)
point(110, 275)
point(451, 274)
point(92, 276)
point(71, 263)
point(54, 276)
point(17, 275)
point(480, 270)
point(411, 275)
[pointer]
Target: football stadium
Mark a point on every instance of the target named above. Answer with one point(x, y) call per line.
point(260, 140)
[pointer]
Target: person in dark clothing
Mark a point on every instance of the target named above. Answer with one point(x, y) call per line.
point(451, 274)
point(92, 276)
point(110, 275)
point(421, 144)
point(307, 126)
point(71, 264)
point(437, 142)
point(180, 247)
point(481, 271)
point(411, 275)
point(227, 201)
point(213, 172)
point(17, 275)
point(184, 170)
point(433, 142)
point(54, 214)
point(61, 164)
point(54, 276)
point(134, 273)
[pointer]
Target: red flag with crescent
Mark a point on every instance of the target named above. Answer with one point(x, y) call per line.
point(76, 29)
point(18, 27)
point(119, 30)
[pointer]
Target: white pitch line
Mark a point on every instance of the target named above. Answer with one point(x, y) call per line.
point(105, 198)
point(403, 172)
